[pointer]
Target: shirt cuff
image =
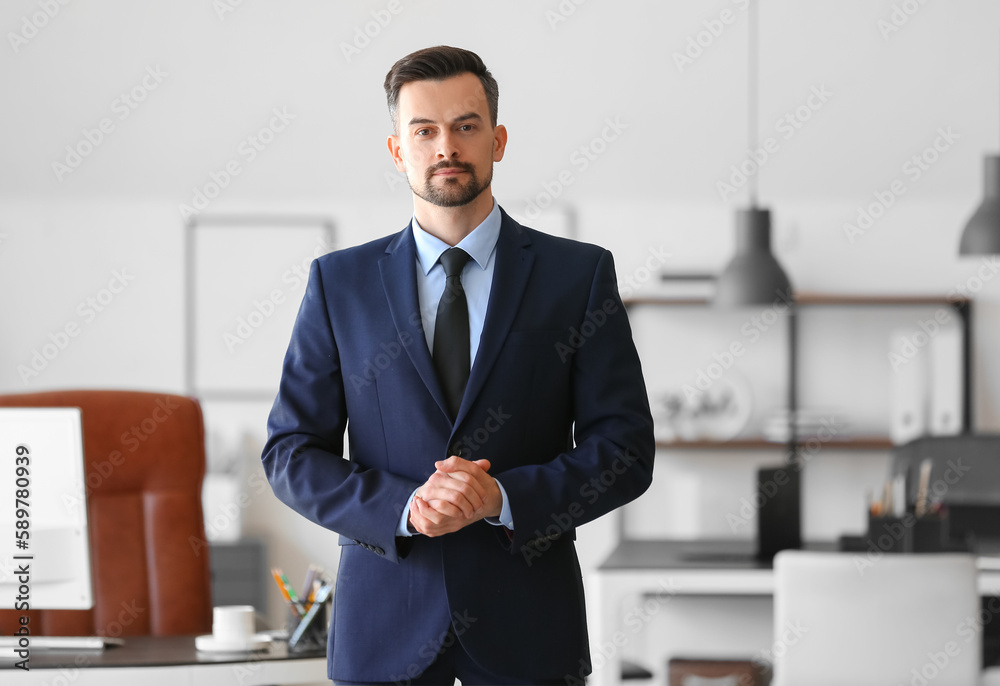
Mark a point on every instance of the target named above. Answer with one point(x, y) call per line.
point(403, 529)
point(505, 518)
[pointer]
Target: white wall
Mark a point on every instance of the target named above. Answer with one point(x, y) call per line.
point(565, 70)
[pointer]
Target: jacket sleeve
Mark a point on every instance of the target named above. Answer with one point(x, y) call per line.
point(304, 454)
point(612, 461)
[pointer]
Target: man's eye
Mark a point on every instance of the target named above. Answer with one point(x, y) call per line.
point(466, 127)
point(423, 132)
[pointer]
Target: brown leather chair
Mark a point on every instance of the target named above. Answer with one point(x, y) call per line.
point(144, 456)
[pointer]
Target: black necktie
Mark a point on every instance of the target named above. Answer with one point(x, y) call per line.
point(451, 331)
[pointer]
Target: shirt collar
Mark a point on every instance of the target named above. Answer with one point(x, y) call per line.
point(479, 244)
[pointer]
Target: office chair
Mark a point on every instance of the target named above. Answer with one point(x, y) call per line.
point(845, 618)
point(144, 456)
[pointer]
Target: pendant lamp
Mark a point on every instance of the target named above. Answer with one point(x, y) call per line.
point(982, 233)
point(753, 276)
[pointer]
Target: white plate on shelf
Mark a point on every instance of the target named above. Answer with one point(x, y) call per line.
point(210, 644)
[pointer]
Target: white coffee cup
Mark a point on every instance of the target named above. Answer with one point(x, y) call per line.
point(233, 624)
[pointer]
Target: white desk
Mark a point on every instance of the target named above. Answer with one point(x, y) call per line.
point(167, 661)
point(690, 569)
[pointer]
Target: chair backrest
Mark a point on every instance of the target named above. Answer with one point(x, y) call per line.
point(144, 456)
point(845, 618)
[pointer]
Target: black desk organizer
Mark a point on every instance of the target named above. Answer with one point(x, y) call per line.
point(911, 534)
point(310, 632)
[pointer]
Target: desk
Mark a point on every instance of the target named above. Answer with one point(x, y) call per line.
point(709, 568)
point(167, 661)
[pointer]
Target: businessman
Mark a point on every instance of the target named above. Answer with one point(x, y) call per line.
point(493, 402)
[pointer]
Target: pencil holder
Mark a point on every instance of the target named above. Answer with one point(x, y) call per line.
point(930, 533)
point(890, 534)
point(313, 635)
point(909, 533)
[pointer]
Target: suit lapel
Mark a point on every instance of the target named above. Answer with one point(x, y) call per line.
point(510, 277)
point(399, 279)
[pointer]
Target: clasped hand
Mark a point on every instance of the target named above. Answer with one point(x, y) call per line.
point(458, 493)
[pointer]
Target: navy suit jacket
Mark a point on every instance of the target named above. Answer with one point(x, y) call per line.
point(556, 402)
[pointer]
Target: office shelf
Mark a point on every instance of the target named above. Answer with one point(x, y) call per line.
point(847, 443)
point(807, 299)
point(961, 305)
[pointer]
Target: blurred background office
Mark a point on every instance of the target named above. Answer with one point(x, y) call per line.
point(155, 152)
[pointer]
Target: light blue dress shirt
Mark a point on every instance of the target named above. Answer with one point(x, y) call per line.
point(477, 280)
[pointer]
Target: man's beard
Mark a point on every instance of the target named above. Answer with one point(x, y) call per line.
point(452, 193)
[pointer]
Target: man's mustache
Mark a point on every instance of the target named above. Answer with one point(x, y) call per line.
point(450, 164)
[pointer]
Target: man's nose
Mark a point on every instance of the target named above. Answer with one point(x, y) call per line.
point(447, 146)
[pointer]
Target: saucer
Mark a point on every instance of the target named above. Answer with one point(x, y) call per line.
point(210, 644)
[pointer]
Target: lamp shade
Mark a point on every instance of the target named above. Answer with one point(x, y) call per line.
point(753, 277)
point(982, 232)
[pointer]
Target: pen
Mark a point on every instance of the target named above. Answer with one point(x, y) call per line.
point(920, 509)
point(287, 592)
point(307, 584)
point(898, 495)
point(288, 587)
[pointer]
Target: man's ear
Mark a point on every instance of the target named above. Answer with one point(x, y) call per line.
point(396, 151)
point(499, 142)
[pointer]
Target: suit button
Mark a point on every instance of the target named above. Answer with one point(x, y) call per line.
point(378, 551)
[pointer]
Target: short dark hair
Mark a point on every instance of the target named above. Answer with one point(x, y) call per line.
point(438, 63)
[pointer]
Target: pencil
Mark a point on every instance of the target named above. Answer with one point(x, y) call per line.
point(287, 592)
point(920, 509)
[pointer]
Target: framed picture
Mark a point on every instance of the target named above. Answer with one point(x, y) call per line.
point(244, 280)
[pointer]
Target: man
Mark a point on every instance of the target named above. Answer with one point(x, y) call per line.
point(493, 402)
